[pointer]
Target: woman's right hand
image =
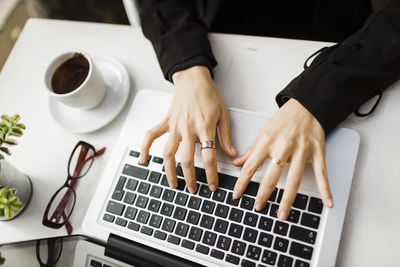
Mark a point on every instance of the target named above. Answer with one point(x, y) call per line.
point(196, 113)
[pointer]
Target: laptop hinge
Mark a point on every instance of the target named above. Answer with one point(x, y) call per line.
point(137, 254)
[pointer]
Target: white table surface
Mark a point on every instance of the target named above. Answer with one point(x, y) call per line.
point(251, 71)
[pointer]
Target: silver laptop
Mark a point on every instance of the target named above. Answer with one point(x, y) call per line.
point(145, 223)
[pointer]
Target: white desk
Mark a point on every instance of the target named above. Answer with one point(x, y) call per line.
point(251, 72)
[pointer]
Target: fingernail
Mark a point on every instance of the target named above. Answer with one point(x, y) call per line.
point(282, 215)
point(192, 189)
point(259, 207)
point(235, 194)
point(172, 184)
point(213, 187)
point(330, 203)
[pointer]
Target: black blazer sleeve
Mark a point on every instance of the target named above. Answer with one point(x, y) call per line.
point(177, 33)
point(344, 76)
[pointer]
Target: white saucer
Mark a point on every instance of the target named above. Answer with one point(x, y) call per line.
point(117, 83)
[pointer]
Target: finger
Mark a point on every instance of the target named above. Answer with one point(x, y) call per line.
point(209, 157)
point(293, 181)
point(187, 163)
point(321, 175)
point(170, 148)
point(224, 134)
point(243, 158)
point(149, 138)
point(268, 184)
point(249, 168)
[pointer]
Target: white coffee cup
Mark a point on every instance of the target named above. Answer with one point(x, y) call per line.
point(88, 94)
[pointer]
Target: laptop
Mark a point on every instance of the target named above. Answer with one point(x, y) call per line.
point(145, 223)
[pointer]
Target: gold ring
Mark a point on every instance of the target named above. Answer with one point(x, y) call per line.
point(277, 161)
point(208, 144)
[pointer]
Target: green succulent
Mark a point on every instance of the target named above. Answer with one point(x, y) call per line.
point(9, 126)
point(9, 202)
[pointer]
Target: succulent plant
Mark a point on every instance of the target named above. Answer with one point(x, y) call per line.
point(9, 202)
point(9, 126)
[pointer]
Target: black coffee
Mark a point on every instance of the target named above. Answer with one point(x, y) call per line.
point(70, 75)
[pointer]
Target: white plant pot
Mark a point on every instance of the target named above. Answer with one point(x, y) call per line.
point(12, 177)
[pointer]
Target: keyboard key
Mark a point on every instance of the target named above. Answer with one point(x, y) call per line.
point(272, 197)
point(264, 210)
point(247, 203)
point(118, 194)
point(130, 213)
point(207, 221)
point(168, 225)
point(146, 230)
point(143, 217)
point(209, 238)
point(253, 252)
point(265, 223)
point(156, 191)
point(135, 171)
point(250, 235)
point(197, 189)
point(235, 230)
point(310, 220)
point(269, 257)
point(121, 222)
point(194, 202)
point(217, 254)
point(181, 199)
point(315, 205)
point(94, 263)
point(155, 221)
point(146, 164)
point(294, 216)
point(221, 226)
point(179, 170)
point(195, 233)
point(300, 250)
point(219, 195)
point(108, 217)
point(115, 207)
point(236, 215)
point(181, 184)
point(160, 235)
point(141, 202)
point(129, 198)
point(187, 244)
point(204, 191)
point(208, 206)
point(180, 213)
point(154, 177)
point(174, 239)
point(250, 219)
point(224, 242)
point(247, 263)
point(238, 247)
point(221, 211)
point(131, 185)
point(158, 160)
point(302, 234)
point(121, 183)
point(193, 217)
point(285, 261)
point(167, 209)
point(281, 228)
point(143, 188)
point(265, 239)
point(181, 229)
point(164, 181)
point(134, 154)
point(232, 259)
point(168, 195)
point(252, 189)
point(202, 249)
point(231, 201)
point(300, 201)
point(280, 194)
point(273, 212)
point(134, 226)
point(300, 263)
point(281, 244)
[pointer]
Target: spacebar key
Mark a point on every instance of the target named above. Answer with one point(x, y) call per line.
point(135, 171)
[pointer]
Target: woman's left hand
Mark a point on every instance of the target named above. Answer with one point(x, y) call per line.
point(292, 135)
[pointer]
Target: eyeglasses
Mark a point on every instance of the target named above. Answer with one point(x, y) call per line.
point(62, 203)
point(48, 251)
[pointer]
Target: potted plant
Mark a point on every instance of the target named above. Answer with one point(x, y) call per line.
point(15, 186)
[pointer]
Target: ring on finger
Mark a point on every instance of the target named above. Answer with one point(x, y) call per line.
point(208, 144)
point(278, 162)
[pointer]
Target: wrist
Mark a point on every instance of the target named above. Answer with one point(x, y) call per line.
point(195, 72)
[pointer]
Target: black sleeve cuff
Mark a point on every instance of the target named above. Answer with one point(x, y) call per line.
point(191, 62)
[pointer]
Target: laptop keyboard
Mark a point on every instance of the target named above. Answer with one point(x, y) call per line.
point(212, 223)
